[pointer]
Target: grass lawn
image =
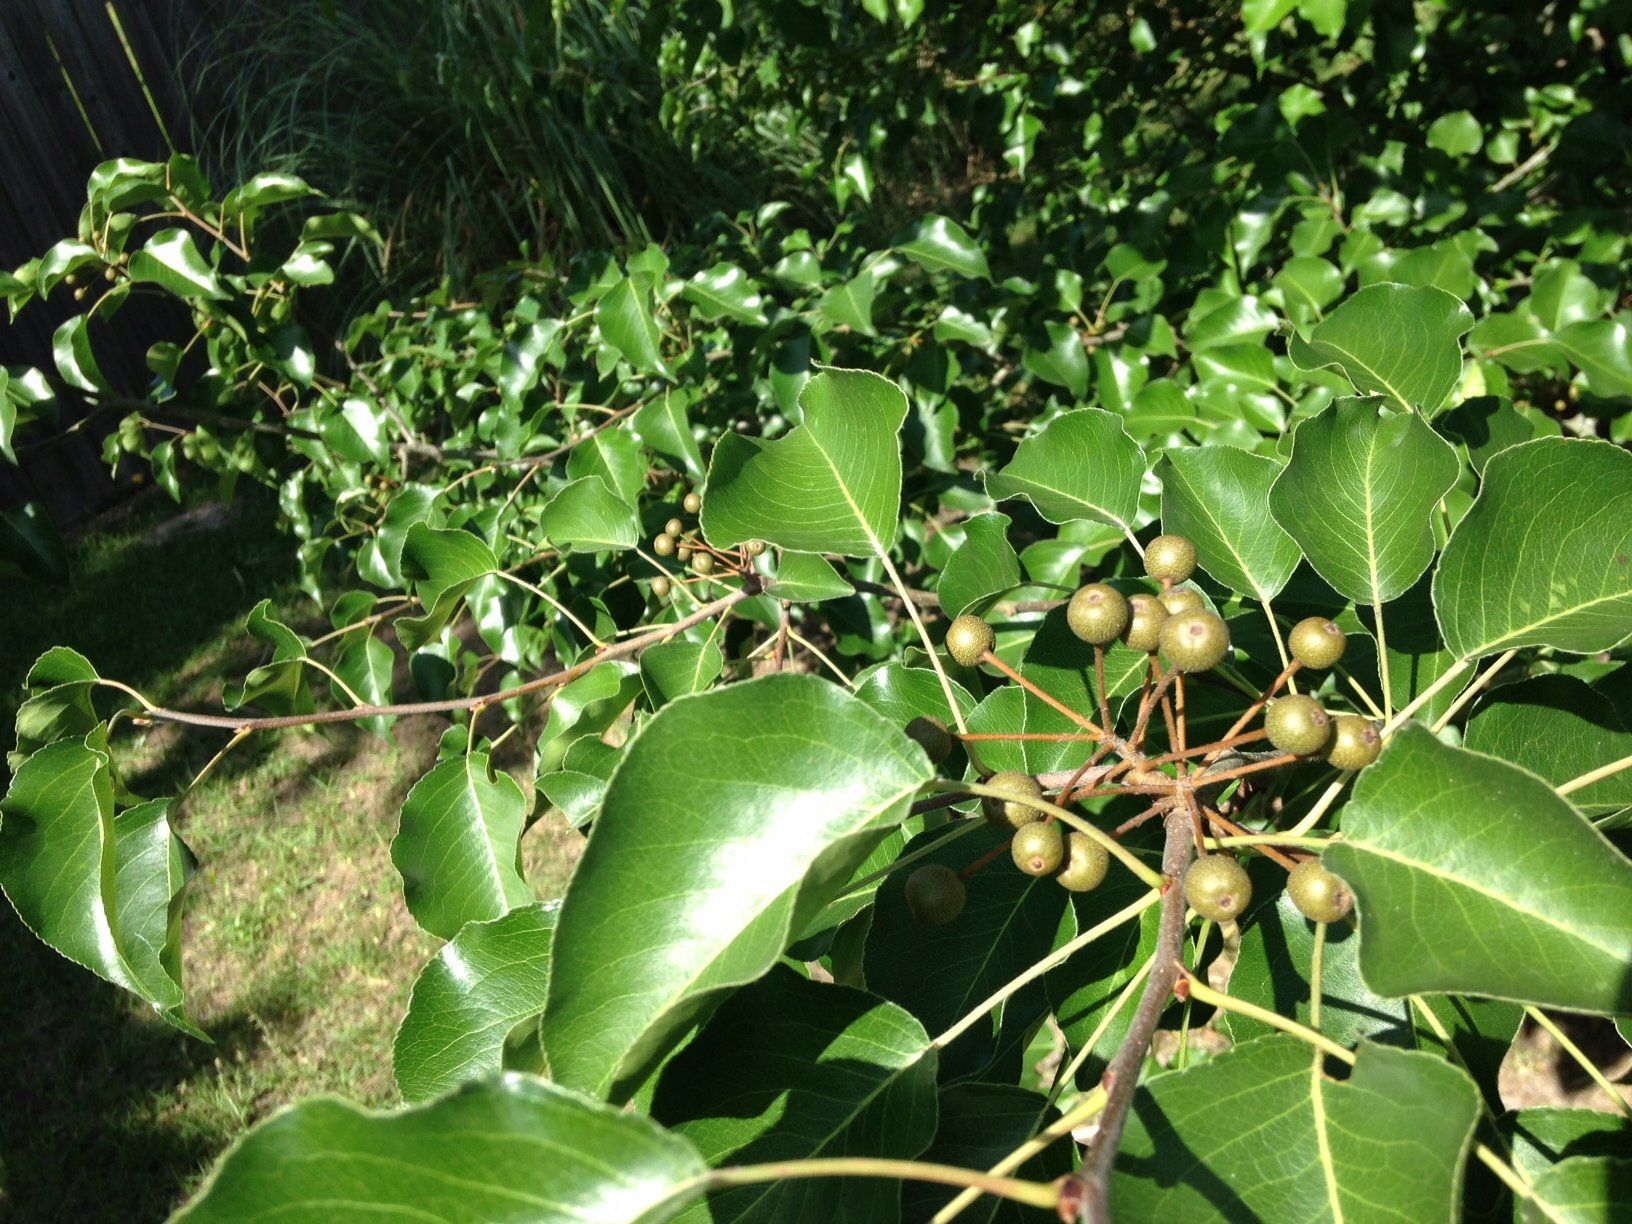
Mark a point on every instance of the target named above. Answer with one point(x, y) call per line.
point(299, 954)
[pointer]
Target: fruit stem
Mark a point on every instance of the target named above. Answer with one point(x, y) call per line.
point(929, 646)
point(1473, 690)
point(991, 856)
point(1280, 643)
point(1087, 724)
point(1317, 844)
point(1230, 827)
point(1287, 673)
point(1099, 678)
point(1200, 991)
point(1033, 1194)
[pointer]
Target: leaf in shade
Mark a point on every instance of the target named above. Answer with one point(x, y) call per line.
point(1081, 465)
point(58, 705)
point(1581, 1190)
point(1559, 728)
point(509, 1150)
point(980, 1124)
point(1218, 496)
point(1064, 362)
point(1489, 424)
point(379, 560)
point(678, 669)
point(942, 245)
point(458, 845)
point(982, 570)
point(30, 546)
point(791, 1069)
point(471, 1000)
point(713, 848)
point(833, 484)
point(1395, 340)
point(1260, 1133)
point(1544, 557)
point(1416, 656)
point(624, 315)
point(1358, 495)
point(1541, 1138)
point(1472, 876)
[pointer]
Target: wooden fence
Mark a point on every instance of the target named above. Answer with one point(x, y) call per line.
point(81, 81)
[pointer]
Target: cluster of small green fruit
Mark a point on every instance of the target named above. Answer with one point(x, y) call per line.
point(673, 542)
point(1177, 626)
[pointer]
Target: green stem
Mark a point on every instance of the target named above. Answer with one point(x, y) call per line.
point(1033, 1194)
point(1382, 652)
point(1206, 994)
point(1574, 1051)
point(1594, 775)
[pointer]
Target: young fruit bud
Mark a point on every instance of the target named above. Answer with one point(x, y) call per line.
point(1146, 616)
point(673, 527)
point(1195, 641)
point(1086, 862)
point(967, 639)
point(660, 587)
point(663, 546)
point(1170, 558)
point(1182, 599)
point(1012, 813)
point(1217, 887)
point(931, 735)
point(1355, 742)
point(755, 548)
point(703, 563)
point(935, 894)
point(1097, 614)
point(1319, 895)
point(693, 503)
point(1038, 848)
point(1297, 724)
point(1316, 642)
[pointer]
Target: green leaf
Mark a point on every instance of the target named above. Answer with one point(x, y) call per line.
point(586, 516)
point(171, 259)
point(706, 858)
point(1393, 340)
point(58, 705)
point(279, 686)
point(851, 304)
point(982, 570)
point(663, 424)
point(1581, 1190)
point(807, 578)
point(76, 362)
point(1472, 876)
point(96, 887)
point(726, 292)
point(1082, 465)
point(1457, 134)
point(624, 315)
point(1236, 320)
point(1542, 1138)
point(1557, 727)
point(1358, 495)
point(470, 1001)
point(1308, 284)
point(380, 559)
point(791, 1069)
point(1489, 424)
point(833, 484)
point(615, 456)
point(443, 565)
point(30, 546)
point(1217, 496)
point(365, 664)
point(1064, 362)
point(509, 1150)
point(678, 669)
point(458, 845)
point(1260, 1133)
point(1544, 557)
point(942, 245)
point(980, 1124)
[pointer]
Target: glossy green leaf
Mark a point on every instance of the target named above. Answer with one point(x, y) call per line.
point(1260, 1133)
point(624, 315)
point(280, 685)
point(942, 245)
point(508, 1150)
point(1358, 493)
point(1218, 497)
point(1557, 727)
point(1472, 876)
point(379, 560)
point(983, 568)
point(1544, 557)
point(58, 704)
point(664, 424)
point(791, 1069)
point(726, 292)
point(76, 361)
point(806, 578)
point(172, 260)
point(833, 484)
point(470, 1002)
point(1081, 465)
point(678, 669)
point(458, 845)
point(586, 516)
point(1393, 340)
point(710, 852)
point(616, 457)
point(850, 305)
point(1581, 1190)
point(1457, 133)
point(1064, 362)
point(443, 565)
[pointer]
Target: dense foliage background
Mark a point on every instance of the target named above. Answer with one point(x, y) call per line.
point(484, 290)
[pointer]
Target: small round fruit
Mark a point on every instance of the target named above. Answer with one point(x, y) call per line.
point(1317, 642)
point(693, 503)
point(756, 548)
point(660, 587)
point(663, 546)
point(1097, 614)
point(1195, 641)
point(1297, 724)
point(1182, 599)
point(935, 894)
point(1217, 887)
point(1086, 862)
point(1170, 558)
point(1146, 616)
point(968, 638)
point(1319, 895)
point(1013, 813)
point(1038, 848)
point(682, 553)
point(1355, 742)
point(703, 563)
point(673, 527)
point(931, 735)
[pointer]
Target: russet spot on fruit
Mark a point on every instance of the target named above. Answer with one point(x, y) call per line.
point(1217, 887)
